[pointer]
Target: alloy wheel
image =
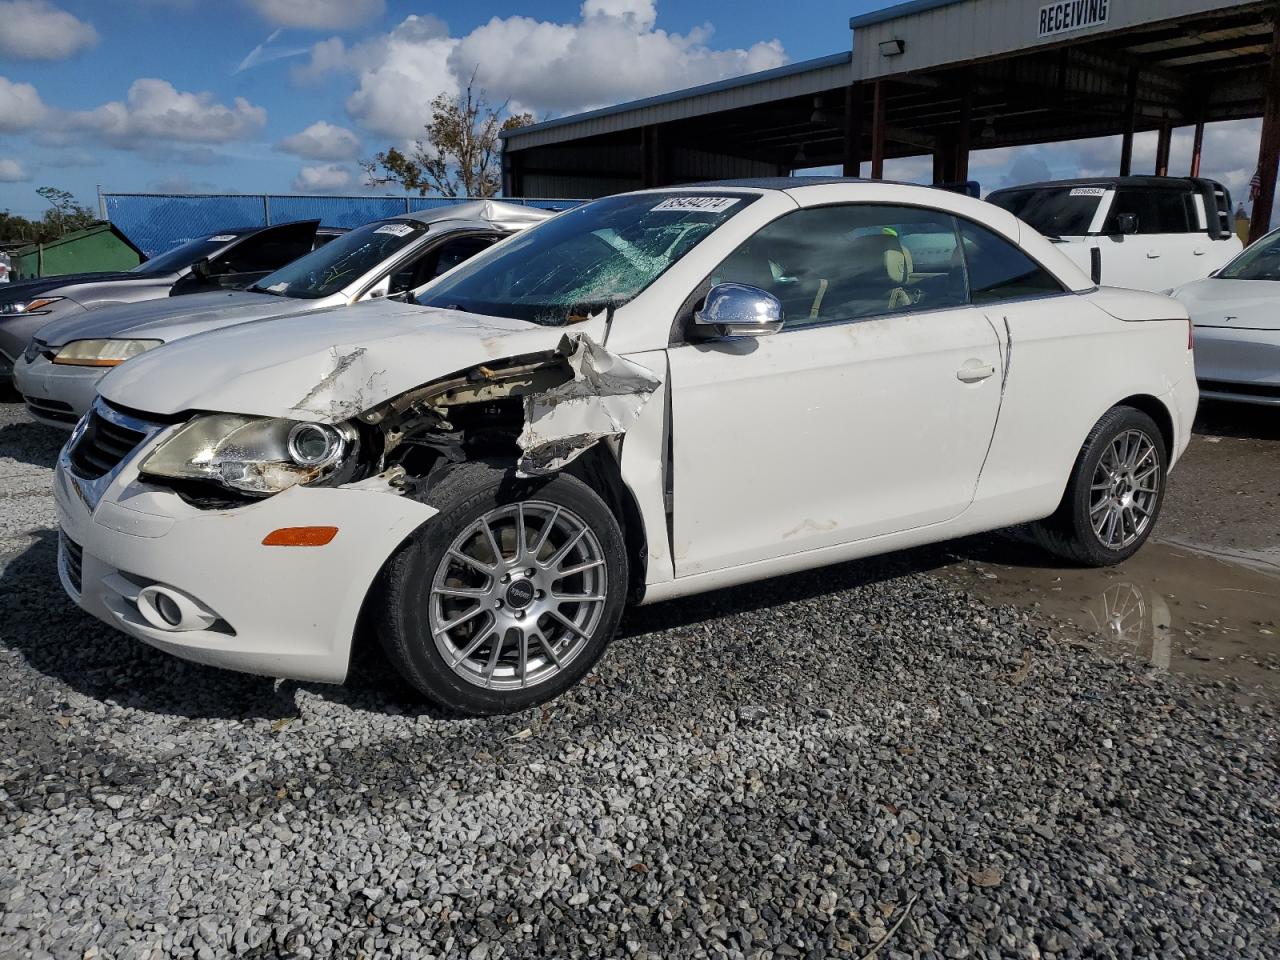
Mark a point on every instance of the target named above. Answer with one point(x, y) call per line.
point(1125, 489)
point(518, 595)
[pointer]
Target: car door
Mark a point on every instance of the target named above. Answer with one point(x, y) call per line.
point(1169, 247)
point(869, 413)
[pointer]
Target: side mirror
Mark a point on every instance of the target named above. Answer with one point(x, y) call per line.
point(1127, 223)
point(736, 310)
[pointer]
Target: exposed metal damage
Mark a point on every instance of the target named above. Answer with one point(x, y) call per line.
point(543, 410)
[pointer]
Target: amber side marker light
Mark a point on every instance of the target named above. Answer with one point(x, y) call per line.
point(300, 537)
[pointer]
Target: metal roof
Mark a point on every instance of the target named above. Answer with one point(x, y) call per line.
point(815, 65)
point(896, 11)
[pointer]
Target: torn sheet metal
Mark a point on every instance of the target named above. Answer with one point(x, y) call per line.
point(602, 400)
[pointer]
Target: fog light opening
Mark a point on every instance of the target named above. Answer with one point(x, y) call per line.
point(172, 610)
point(168, 609)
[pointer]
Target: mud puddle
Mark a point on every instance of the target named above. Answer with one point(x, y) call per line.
point(1173, 606)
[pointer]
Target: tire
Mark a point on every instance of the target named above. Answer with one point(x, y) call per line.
point(1071, 533)
point(445, 606)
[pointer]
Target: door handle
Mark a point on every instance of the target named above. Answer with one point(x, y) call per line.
point(974, 371)
point(1153, 255)
point(1198, 252)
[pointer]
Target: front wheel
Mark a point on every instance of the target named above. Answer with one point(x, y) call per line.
point(1114, 494)
point(508, 595)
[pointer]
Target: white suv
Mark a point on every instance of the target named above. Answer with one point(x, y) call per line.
point(1149, 233)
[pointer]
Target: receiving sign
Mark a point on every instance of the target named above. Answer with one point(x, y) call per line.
point(1068, 15)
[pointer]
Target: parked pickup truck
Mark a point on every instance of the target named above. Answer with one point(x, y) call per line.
point(1149, 233)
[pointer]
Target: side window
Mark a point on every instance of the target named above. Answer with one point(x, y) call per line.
point(847, 262)
point(998, 270)
point(261, 254)
point(436, 261)
point(1158, 210)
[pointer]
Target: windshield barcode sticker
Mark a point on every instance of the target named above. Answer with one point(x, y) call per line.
point(222, 238)
point(1088, 191)
point(395, 229)
point(700, 204)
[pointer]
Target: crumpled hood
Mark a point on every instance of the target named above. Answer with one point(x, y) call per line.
point(167, 318)
point(325, 365)
point(1251, 304)
point(29, 289)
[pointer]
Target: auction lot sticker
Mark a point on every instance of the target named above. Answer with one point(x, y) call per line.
point(702, 204)
point(395, 229)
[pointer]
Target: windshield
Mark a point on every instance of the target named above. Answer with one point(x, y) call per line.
point(1054, 211)
point(1260, 262)
point(184, 255)
point(341, 261)
point(593, 256)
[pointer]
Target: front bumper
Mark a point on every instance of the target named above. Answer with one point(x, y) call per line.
point(1238, 365)
point(56, 394)
point(280, 611)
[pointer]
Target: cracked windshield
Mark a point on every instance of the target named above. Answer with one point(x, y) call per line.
point(587, 259)
point(342, 261)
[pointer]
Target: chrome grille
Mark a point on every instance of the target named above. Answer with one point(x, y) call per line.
point(72, 555)
point(102, 446)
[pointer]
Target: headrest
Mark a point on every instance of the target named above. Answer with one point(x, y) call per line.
point(882, 249)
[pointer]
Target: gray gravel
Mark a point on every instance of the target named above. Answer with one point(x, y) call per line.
point(800, 768)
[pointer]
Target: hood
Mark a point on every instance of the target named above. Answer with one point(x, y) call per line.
point(28, 289)
point(166, 318)
point(1245, 304)
point(323, 365)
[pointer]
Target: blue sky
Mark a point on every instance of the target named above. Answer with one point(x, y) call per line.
point(286, 95)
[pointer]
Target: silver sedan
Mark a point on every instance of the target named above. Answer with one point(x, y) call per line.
point(1236, 313)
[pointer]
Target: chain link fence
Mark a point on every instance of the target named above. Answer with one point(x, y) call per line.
point(158, 221)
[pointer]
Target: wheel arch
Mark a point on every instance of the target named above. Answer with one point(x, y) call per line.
point(599, 469)
point(1154, 408)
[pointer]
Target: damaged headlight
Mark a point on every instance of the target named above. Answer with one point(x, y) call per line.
point(254, 455)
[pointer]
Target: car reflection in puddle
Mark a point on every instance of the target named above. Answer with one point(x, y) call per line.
point(1175, 607)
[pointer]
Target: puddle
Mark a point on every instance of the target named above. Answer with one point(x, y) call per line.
point(1177, 608)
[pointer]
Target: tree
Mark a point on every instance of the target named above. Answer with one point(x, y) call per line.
point(64, 216)
point(458, 156)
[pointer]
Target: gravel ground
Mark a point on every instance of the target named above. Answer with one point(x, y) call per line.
point(806, 767)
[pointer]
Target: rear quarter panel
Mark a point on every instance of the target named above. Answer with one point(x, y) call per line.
point(1070, 359)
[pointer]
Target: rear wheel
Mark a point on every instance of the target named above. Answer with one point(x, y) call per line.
point(507, 596)
point(1114, 495)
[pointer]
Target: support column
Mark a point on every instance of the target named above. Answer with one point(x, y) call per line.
point(1163, 141)
point(653, 166)
point(1269, 144)
point(512, 181)
point(878, 118)
point(1130, 114)
point(960, 172)
point(1197, 145)
point(853, 108)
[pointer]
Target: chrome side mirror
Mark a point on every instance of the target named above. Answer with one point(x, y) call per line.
point(736, 310)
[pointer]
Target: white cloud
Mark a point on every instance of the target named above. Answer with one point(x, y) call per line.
point(318, 14)
point(612, 53)
point(20, 106)
point(322, 141)
point(12, 171)
point(155, 110)
point(326, 178)
point(37, 30)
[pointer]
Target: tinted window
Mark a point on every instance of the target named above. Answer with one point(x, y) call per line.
point(1054, 211)
point(998, 270)
point(575, 265)
point(842, 263)
point(264, 252)
point(1260, 262)
point(1158, 210)
point(180, 257)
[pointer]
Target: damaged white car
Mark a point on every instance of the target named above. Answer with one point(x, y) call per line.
point(652, 395)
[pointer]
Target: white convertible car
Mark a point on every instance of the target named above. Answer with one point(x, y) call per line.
point(652, 395)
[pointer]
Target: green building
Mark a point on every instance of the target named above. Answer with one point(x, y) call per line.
point(96, 248)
